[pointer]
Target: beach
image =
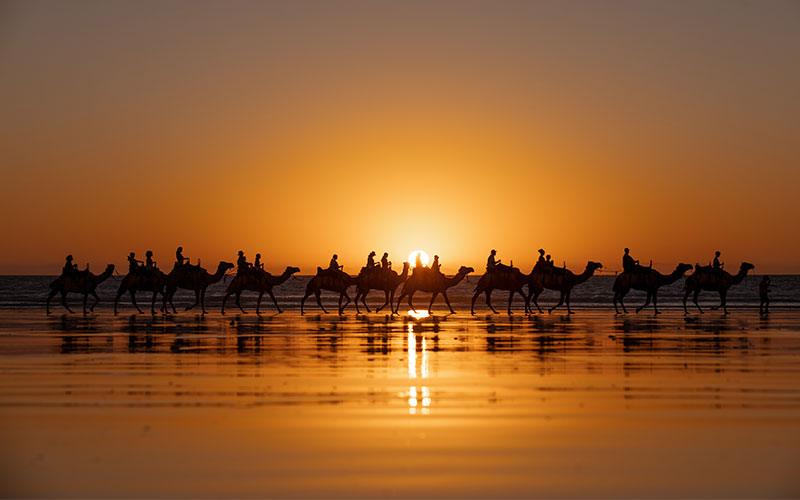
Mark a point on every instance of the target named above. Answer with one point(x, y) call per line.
point(373, 405)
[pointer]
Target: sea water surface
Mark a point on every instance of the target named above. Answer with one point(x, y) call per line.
point(375, 405)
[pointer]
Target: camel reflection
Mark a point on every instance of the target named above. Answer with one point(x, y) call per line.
point(419, 395)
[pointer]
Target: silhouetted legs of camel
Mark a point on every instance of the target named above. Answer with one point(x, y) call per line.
point(342, 295)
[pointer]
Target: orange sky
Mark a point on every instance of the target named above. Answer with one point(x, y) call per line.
point(299, 129)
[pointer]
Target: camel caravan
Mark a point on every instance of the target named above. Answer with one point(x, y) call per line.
point(545, 275)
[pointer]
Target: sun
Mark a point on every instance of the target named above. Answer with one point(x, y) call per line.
point(423, 257)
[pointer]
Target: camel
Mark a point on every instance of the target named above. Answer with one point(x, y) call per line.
point(379, 279)
point(83, 282)
point(193, 278)
point(648, 280)
point(706, 278)
point(333, 281)
point(509, 278)
point(433, 282)
point(259, 281)
point(146, 281)
point(562, 280)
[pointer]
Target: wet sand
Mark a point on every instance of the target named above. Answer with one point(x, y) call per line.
point(591, 405)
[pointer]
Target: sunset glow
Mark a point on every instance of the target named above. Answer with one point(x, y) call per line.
point(423, 257)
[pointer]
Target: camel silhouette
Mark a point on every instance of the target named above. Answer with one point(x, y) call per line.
point(559, 279)
point(259, 281)
point(150, 281)
point(379, 279)
point(193, 278)
point(331, 280)
point(711, 280)
point(433, 282)
point(512, 280)
point(82, 282)
point(647, 280)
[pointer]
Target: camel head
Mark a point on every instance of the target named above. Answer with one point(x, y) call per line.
point(224, 266)
point(746, 266)
point(290, 270)
point(683, 268)
point(593, 266)
point(465, 270)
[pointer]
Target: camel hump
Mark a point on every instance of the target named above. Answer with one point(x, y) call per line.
point(319, 270)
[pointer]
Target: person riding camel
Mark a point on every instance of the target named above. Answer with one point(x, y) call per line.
point(435, 266)
point(257, 264)
point(385, 264)
point(242, 266)
point(334, 265)
point(371, 261)
point(134, 265)
point(491, 263)
point(541, 259)
point(179, 258)
point(150, 264)
point(418, 264)
point(69, 268)
point(717, 265)
point(628, 263)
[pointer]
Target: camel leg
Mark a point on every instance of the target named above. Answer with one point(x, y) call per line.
point(694, 299)
point(196, 300)
point(433, 298)
point(96, 300)
point(646, 302)
point(174, 311)
point(619, 297)
point(85, 298)
point(386, 301)
point(510, 299)
point(569, 292)
point(686, 296)
point(489, 301)
point(447, 301)
point(225, 299)
point(49, 298)
point(153, 303)
point(133, 300)
point(410, 300)
point(358, 297)
point(560, 301)
point(202, 300)
point(723, 297)
point(238, 296)
point(258, 303)
point(536, 302)
point(274, 301)
point(363, 301)
point(303, 301)
point(655, 302)
point(342, 307)
point(474, 298)
point(319, 302)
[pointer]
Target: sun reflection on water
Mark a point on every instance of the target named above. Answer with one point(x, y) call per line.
point(419, 396)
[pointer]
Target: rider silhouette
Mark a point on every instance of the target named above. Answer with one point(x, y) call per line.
point(628, 263)
point(491, 263)
point(242, 266)
point(149, 262)
point(179, 258)
point(257, 263)
point(371, 261)
point(385, 264)
point(541, 259)
point(334, 265)
point(435, 264)
point(717, 264)
point(69, 268)
point(134, 265)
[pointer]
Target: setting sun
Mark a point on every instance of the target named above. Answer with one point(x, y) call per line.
point(423, 257)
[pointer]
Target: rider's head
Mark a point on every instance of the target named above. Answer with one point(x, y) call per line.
point(69, 257)
point(548, 256)
point(241, 253)
point(372, 253)
point(494, 251)
point(180, 249)
point(541, 251)
point(258, 256)
point(435, 256)
point(717, 253)
point(385, 254)
point(132, 254)
point(627, 250)
point(335, 256)
point(149, 253)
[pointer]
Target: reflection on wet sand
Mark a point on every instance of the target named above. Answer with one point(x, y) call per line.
point(381, 405)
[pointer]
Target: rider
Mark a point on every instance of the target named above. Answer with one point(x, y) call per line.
point(385, 264)
point(371, 261)
point(717, 264)
point(491, 263)
point(334, 265)
point(179, 258)
point(257, 263)
point(149, 262)
point(69, 267)
point(435, 264)
point(242, 266)
point(628, 263)
point(541, 259)
point(134, 265)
